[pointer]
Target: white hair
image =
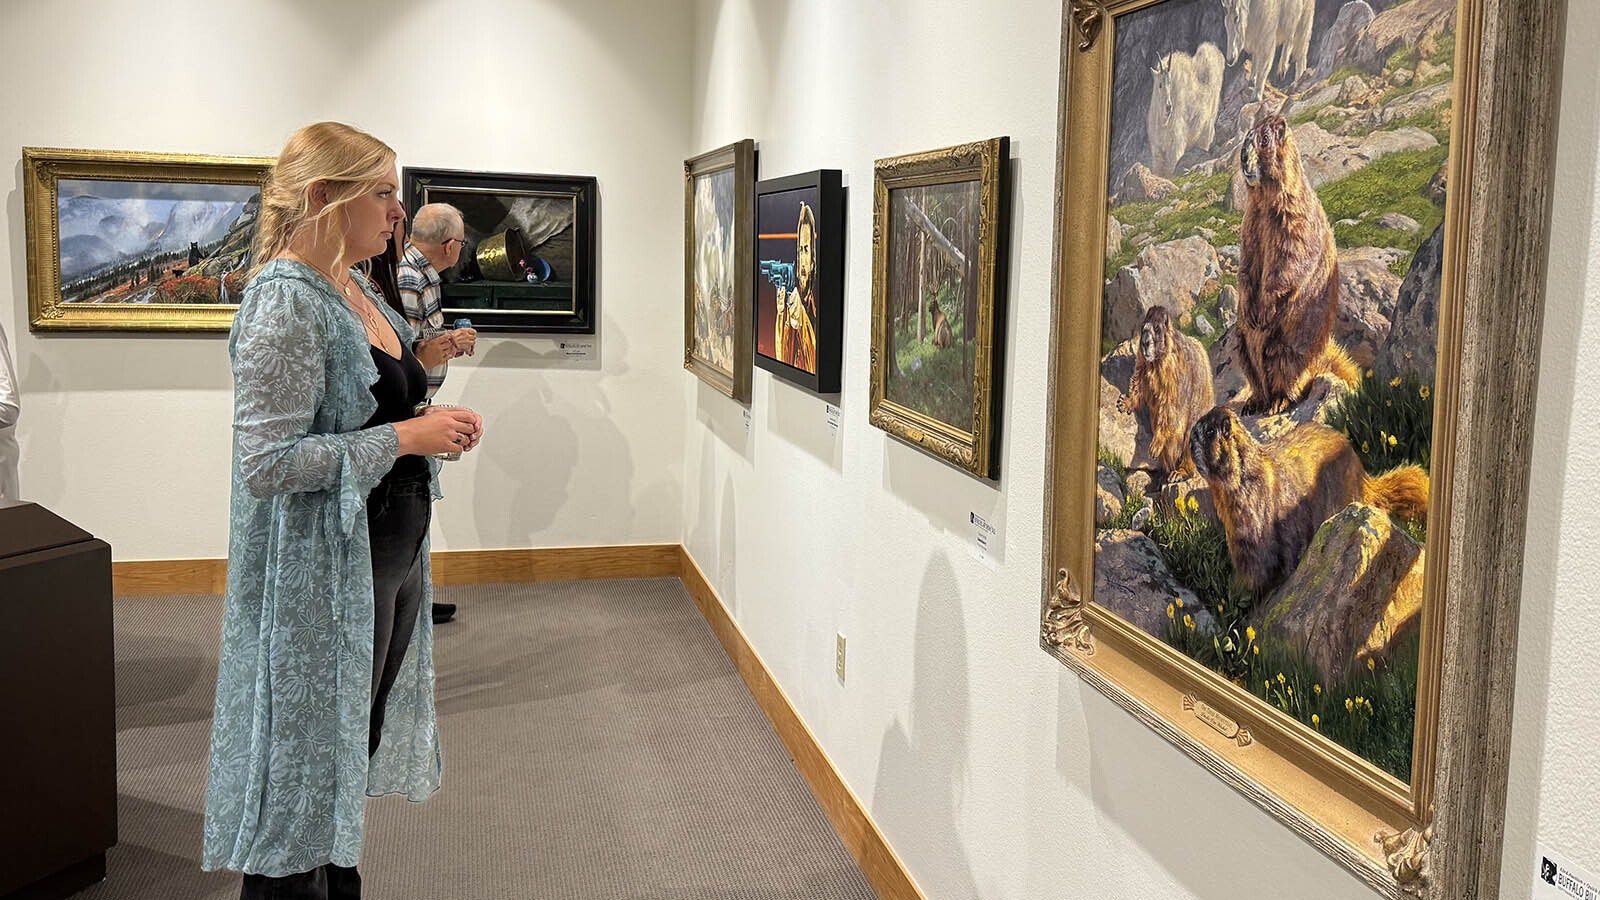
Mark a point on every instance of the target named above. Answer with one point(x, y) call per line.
point(433, 223)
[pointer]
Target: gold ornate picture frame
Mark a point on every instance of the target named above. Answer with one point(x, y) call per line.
point(939, 237)
point(128, 241)
point(1150, 190)
point(718, 266)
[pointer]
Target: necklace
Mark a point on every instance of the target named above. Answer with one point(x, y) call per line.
point(365, 310)
point(343, 286)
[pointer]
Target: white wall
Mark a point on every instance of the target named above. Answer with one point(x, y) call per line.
point(993, 770)
point(129, 436)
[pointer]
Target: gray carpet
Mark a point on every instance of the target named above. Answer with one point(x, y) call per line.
point(598, 744)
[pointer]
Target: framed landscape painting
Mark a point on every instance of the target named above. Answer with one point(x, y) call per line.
point(529, 260)
point(126, 241)
point(799, 296)
point(1280, 401)
point(718, 261)
point(939, 238)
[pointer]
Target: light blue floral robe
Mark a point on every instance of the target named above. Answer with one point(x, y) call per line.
point(289, 769)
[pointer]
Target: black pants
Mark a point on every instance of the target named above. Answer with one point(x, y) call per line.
point(397, 516)
point(398, 511)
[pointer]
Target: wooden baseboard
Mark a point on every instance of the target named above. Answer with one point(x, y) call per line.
point(450, 567)
point(139, 578)
point(856, 829)
point(860, 834)
point(456, 567)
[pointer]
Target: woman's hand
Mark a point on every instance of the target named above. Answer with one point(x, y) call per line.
point(440, 429)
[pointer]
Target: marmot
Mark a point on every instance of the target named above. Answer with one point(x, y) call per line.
point(942, 337)
point(1172, 380)
point(1272, 497)
point(1288, 275)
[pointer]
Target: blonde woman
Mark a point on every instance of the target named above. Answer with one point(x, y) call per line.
point(325, 681)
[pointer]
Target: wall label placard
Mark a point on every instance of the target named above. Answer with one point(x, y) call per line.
point(1556, 878)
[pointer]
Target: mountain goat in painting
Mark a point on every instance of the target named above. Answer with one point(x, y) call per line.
point(1268, 30)
point(1185, 91)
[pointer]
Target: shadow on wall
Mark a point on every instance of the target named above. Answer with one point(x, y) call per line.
point(922, 765)
point(718, 561)
point(727, 559)
point(801, 418)
point(946, 495)
point(1180, 815)
point(724, 417)
point(523, 472)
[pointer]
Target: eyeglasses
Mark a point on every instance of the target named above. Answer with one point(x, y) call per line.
point(461, 241)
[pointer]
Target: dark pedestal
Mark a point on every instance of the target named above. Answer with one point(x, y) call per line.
point(58, 750)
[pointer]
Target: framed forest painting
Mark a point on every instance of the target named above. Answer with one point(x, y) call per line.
point(940, 229)
point(1286, 245)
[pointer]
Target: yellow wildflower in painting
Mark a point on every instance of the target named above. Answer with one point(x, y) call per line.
point(1423, 392)
point(1170, 611)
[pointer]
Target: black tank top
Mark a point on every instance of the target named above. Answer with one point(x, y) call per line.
point(402, 384)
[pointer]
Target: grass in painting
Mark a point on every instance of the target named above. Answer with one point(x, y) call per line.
point(1198, 206)
point(1395, 183)
point(936, 381)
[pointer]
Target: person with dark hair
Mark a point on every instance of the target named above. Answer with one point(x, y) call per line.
point(325, 676)
point(437, 236)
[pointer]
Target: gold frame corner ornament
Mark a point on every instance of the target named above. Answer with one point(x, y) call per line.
point(43, 170)
point(1064, 622)
point(1088, 16)
point(1407, 855)
point(1379, 828)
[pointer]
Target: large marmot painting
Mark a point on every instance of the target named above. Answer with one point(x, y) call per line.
point(1276, 190)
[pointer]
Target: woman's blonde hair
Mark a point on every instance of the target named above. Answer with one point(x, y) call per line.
point(348, 160)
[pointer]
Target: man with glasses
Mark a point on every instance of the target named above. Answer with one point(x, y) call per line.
point(437, 236)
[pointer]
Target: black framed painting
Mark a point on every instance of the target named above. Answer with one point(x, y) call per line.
point(799, 283)
point(529, 260)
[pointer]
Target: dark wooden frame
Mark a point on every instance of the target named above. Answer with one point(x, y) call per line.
point(830, 280)
point(579, 315)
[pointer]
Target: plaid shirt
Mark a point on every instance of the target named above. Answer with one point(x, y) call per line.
point(420, 291)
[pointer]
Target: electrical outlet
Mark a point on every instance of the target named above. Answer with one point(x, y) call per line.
point(838, 656)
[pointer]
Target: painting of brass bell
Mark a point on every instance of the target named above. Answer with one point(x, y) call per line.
point(501, 257)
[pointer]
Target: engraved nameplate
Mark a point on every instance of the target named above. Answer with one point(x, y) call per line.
point(1209, 714)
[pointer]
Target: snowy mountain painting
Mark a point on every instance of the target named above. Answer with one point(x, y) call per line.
point(153, 242)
